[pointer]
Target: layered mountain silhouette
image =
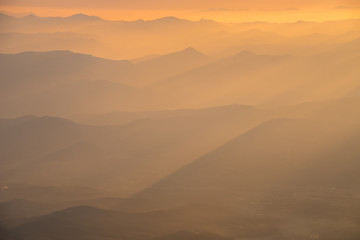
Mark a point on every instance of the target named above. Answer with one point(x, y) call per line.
point(251, 133)
point(83, 83)
point(107, 85)
point(294, 79)
point(54, 147)
point(124, 39)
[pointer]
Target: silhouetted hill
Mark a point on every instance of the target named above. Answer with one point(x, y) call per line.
point(193, 221)
point(190, 236)
point(20, 208)
point(84, 222)
point(73, 223)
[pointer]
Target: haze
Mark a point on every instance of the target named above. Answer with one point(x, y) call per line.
point(179, 120)
point(225, 11)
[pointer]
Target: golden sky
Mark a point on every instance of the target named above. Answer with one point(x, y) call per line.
point(221, 10)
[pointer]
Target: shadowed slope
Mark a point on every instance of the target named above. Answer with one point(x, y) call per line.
point(126, 158)
point(268, 159)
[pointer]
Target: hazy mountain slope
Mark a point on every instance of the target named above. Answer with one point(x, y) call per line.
point(297, 174)
point(261, 42)
point(265, 159)
point(81, 97)
point(126, 158)
point(233, 79)
point(13, 42)
point(345, 107)
point(245, 78)
point(269, 80)
point(343, 111)
point(29, 138)
point(130, 157)
point(61, 67)
point(162, 67)
point(77, 83)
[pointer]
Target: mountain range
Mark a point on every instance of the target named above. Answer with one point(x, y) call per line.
point(172, 129)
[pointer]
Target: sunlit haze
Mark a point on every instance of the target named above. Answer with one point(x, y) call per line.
point(225, 11)
point(179, 120)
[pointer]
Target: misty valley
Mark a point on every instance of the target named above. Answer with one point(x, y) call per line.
point(173, 129)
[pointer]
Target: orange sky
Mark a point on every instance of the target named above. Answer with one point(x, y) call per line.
point(221, 10)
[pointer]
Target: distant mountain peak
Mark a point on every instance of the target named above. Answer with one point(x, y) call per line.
point(191, 50)
point(81, 16)
point(187, 53)
point(244, 55)
point(31, 16)
point(170, 19)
